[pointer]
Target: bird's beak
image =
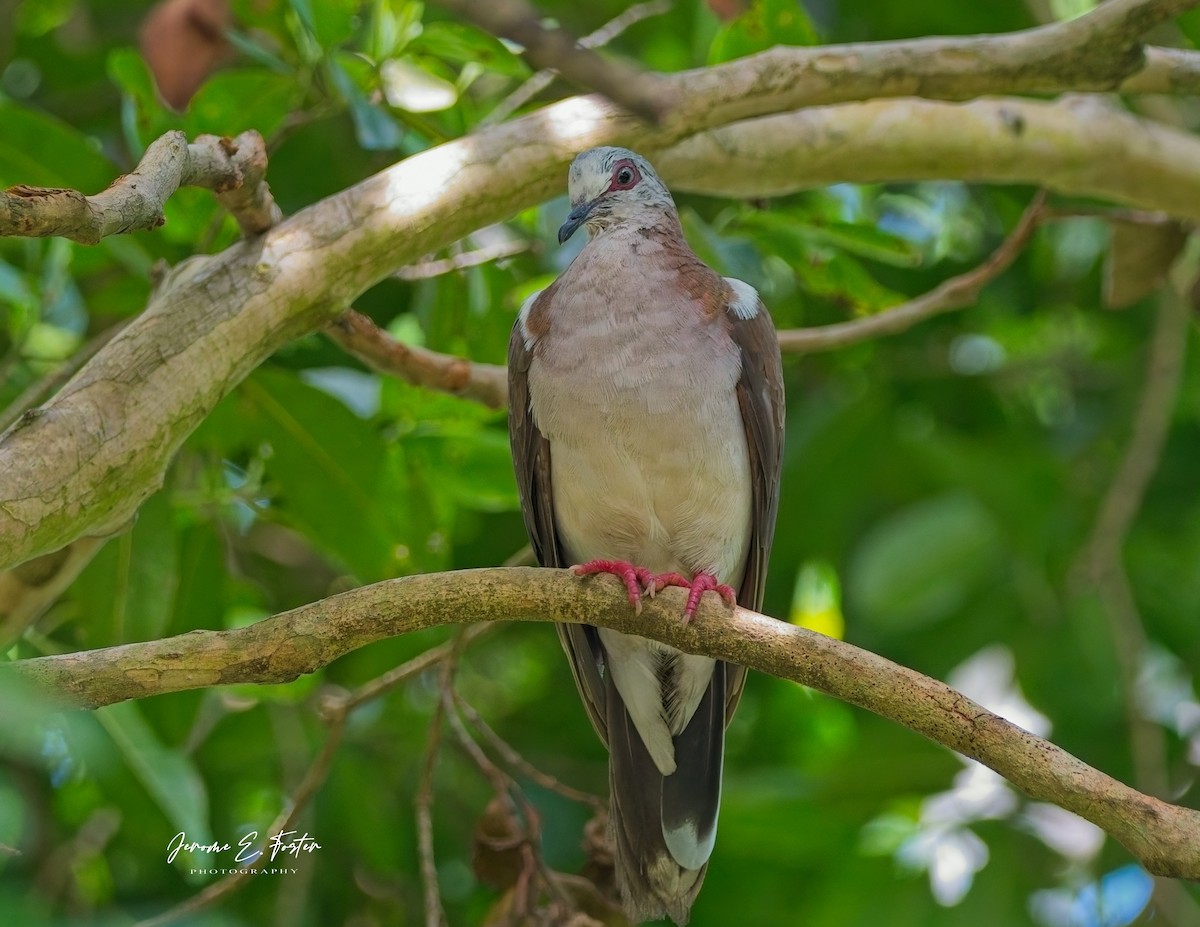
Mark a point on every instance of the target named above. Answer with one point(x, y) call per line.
point(575, 218)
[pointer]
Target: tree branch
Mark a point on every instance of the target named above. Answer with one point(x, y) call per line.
point(1100, 569)
point(955, 293)
point(423, 270)
point(1167, 70)
point(83, 463)
point(1101, 50)
point(602, 36)
point(358, 335)
point(1098, 51)
point(29, 588)
point(1164, 838)
point(1080, 146)
point(334, 708)
point(233, 168)
point(642, 92)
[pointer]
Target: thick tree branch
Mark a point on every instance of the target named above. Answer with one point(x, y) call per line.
point(83, 463)
point(1097, 51)
point(1167, 70)
point(1081, 146)
point(1101, 50)
point(1163, 837)
point(234, 168)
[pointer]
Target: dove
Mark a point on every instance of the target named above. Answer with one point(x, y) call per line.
point(646, 417)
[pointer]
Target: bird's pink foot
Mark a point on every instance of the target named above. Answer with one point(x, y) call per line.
point(635, 578)
point(698, 585)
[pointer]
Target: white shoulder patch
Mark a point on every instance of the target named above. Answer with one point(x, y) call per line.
point(523, 317)
point(745, 299)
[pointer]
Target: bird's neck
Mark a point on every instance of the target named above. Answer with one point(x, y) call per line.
point(647, 221)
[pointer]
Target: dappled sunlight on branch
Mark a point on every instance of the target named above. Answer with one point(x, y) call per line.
point(1165, 838)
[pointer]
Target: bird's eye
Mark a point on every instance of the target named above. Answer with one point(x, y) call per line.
point(624, 176)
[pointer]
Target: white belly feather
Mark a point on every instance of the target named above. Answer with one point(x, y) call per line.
point(649, 464)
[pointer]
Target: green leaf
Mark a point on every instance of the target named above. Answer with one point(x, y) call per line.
point(327, 466)
point(43, 16)
point(331, 22)
point(462, 44)
point(41, 151)
point(168, 775)
point(864, 240)
point(231, 102)
point(144, 116)
point(477, 470)
point(375, 129)
point(839, 277)
point(921, 565)
point(766, 24)
point(16, 292)
point(127, 592)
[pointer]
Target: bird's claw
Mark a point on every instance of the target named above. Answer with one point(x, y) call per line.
point(635, 578)
point(639, 580)
point(700, 584)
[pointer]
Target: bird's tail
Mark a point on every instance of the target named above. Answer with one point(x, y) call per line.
point(663, 827)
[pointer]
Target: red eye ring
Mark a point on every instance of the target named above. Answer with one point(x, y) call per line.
point(625, 175)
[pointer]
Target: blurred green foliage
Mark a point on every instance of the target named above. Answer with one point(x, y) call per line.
point(938, 486)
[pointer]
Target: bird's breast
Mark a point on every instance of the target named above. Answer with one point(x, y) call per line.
point(649, 461)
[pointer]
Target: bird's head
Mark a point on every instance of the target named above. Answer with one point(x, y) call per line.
point(608, 186)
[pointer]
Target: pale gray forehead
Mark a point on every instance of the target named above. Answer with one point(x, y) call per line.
point(592, 169)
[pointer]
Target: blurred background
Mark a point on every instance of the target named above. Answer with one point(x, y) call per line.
point(940, 491)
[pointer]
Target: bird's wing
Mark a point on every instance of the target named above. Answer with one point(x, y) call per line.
point(760, 398)
point(531, 461)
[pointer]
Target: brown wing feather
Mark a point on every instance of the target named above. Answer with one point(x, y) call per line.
point(531, 462)
point(760, 397)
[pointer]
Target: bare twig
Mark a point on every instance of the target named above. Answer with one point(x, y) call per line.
point(43, 387)
point(334, 709)
point(418, 664)
point(357, 334)
point(1110, 213)
point(488, 384)
point(233, 168)
point(282, 824)
point(1100, 568)
point(645, 93)
point(509, 791)
point(435, 915)
point(1165, 838)
point(955, 293)
point(602, 36)
point(426, 269)
point(1100, 563)
point(28, 589)
point(247, 198)
point(518, 762)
